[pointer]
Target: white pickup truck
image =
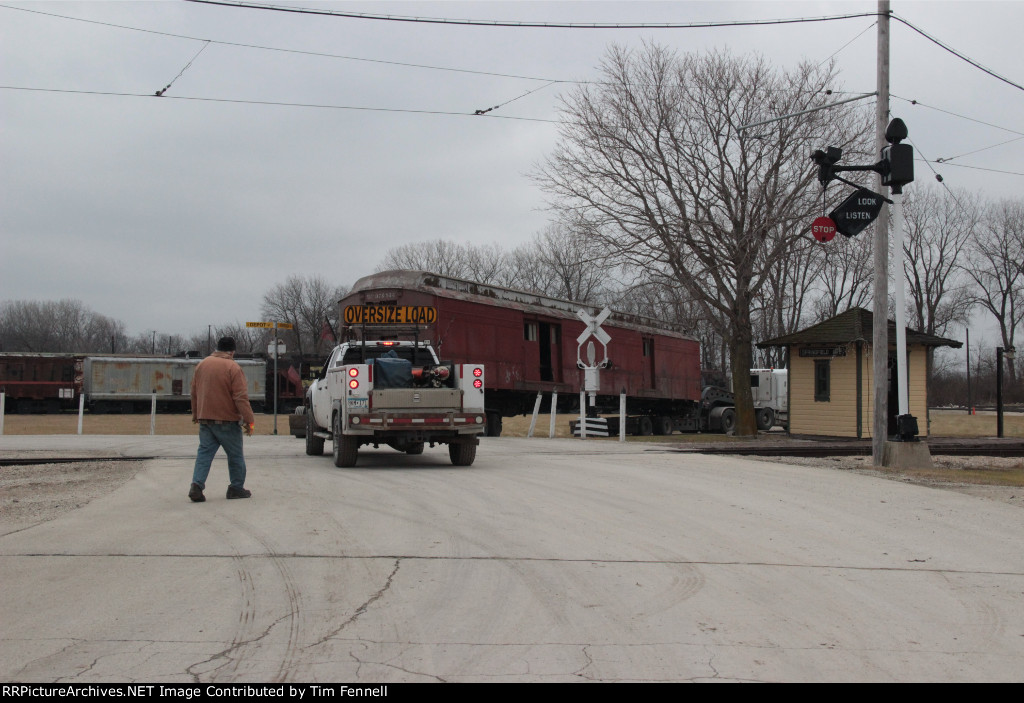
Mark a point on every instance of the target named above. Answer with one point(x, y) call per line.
point(395, 393)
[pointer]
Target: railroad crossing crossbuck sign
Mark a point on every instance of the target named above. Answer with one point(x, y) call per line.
point(593, 330)
point(592, 380)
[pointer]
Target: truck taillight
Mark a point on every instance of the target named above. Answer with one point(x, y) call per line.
point(353, 384)
point(478, 383)
point(478, 372)
point(353, 372)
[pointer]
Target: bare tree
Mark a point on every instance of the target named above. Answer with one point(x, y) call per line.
point(309, 305)
point(659, 157)
point(564, 262)
point(780, 303)
point(995, 254)
point(482, 263)
point(846, 276)
point(57, 326)
point(938, 228)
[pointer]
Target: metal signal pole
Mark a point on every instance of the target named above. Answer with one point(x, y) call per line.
point(880, 336)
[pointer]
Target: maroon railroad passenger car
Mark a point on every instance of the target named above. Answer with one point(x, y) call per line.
point(528, 343)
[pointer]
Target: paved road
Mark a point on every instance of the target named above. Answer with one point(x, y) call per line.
point(548, 560)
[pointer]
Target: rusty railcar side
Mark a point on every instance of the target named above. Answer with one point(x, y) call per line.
point(528, 343)
point(40, 382)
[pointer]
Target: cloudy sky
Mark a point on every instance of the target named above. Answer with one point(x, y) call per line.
point(293, 143)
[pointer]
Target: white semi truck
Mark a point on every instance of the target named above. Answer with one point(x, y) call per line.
point(770, 388)
point(395, 393)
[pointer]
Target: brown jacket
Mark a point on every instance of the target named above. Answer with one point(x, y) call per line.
point(219, 390)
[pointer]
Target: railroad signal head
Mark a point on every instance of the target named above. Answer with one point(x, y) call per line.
point(897, 166)
point(826, 160)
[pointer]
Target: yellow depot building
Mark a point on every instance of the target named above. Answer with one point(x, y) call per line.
point(831, 380)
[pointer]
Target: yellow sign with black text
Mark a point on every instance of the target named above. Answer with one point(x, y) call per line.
point(390, 315)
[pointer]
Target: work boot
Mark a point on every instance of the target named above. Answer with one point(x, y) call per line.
point(196, 493)
point(238, 493)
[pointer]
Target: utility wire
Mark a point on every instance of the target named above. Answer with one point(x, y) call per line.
point(274, 103)
point(289, 51)
point(160, 93)
point(600, 25)
point(947, 159)
point(836, 52)
point(959, 55)
point(524, 24)
point(484, 112)
point(956, 114)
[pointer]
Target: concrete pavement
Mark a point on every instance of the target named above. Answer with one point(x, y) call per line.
point(548, 560)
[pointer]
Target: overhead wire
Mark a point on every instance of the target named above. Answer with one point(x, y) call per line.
point(548, 81)
point(345, 14)
point(273, 103)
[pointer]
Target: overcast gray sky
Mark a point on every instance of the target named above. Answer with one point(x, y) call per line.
point(172, 213)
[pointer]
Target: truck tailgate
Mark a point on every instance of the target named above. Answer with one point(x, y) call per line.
point(416, 399)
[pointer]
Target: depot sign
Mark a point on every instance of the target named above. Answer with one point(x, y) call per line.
point(857, 212)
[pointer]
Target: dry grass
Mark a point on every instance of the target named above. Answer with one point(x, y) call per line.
point(944, 423)
point(121, 424)
point(957, 423)
point(1011, 476)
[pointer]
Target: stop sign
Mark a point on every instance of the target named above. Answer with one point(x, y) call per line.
point(823, 229)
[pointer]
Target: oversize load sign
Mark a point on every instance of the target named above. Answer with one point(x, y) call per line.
point(390, 315)
point(857, 212)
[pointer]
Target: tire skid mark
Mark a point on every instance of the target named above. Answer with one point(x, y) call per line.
point(244, 629)
point(289, 659)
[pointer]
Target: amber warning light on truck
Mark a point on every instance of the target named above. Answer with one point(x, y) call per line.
point(390, 315)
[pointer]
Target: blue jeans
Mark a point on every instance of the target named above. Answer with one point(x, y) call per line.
point(220, 434)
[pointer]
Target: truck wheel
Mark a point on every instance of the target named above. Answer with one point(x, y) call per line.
point(314, 444)
point(663, 425)
point(645, 427)
point(765, 419)
point(462, 454)
point(346, 449)
point(729, 420)
point(493, 425)
point(414, 448)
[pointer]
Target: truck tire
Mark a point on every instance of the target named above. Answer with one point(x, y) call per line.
point(765, 419)
point(314, 444)
point(462, 454)
point(346, 449)
point(729, 420)
point(414, 449)
point(645, 427)
point(493, 428)
point(663, 425)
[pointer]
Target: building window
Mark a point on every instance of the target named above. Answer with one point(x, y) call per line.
point(822, 380)
point(530, 331)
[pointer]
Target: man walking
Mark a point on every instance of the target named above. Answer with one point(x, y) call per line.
point(220, 402)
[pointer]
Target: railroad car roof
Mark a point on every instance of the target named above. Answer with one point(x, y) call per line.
point(527, 301)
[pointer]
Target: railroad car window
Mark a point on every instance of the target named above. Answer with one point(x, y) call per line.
point(530, 331)
point(822, 380)
point(648, 346)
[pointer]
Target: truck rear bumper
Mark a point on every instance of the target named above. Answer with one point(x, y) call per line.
point(459, 423)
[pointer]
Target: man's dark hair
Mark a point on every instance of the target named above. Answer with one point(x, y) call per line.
point(226, 344)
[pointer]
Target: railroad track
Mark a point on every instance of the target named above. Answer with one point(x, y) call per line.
point(972, 448)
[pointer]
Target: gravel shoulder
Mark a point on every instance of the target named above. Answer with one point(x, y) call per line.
point(951, 473)
point(36, 493)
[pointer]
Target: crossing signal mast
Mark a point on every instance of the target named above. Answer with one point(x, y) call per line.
point(896, 168)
